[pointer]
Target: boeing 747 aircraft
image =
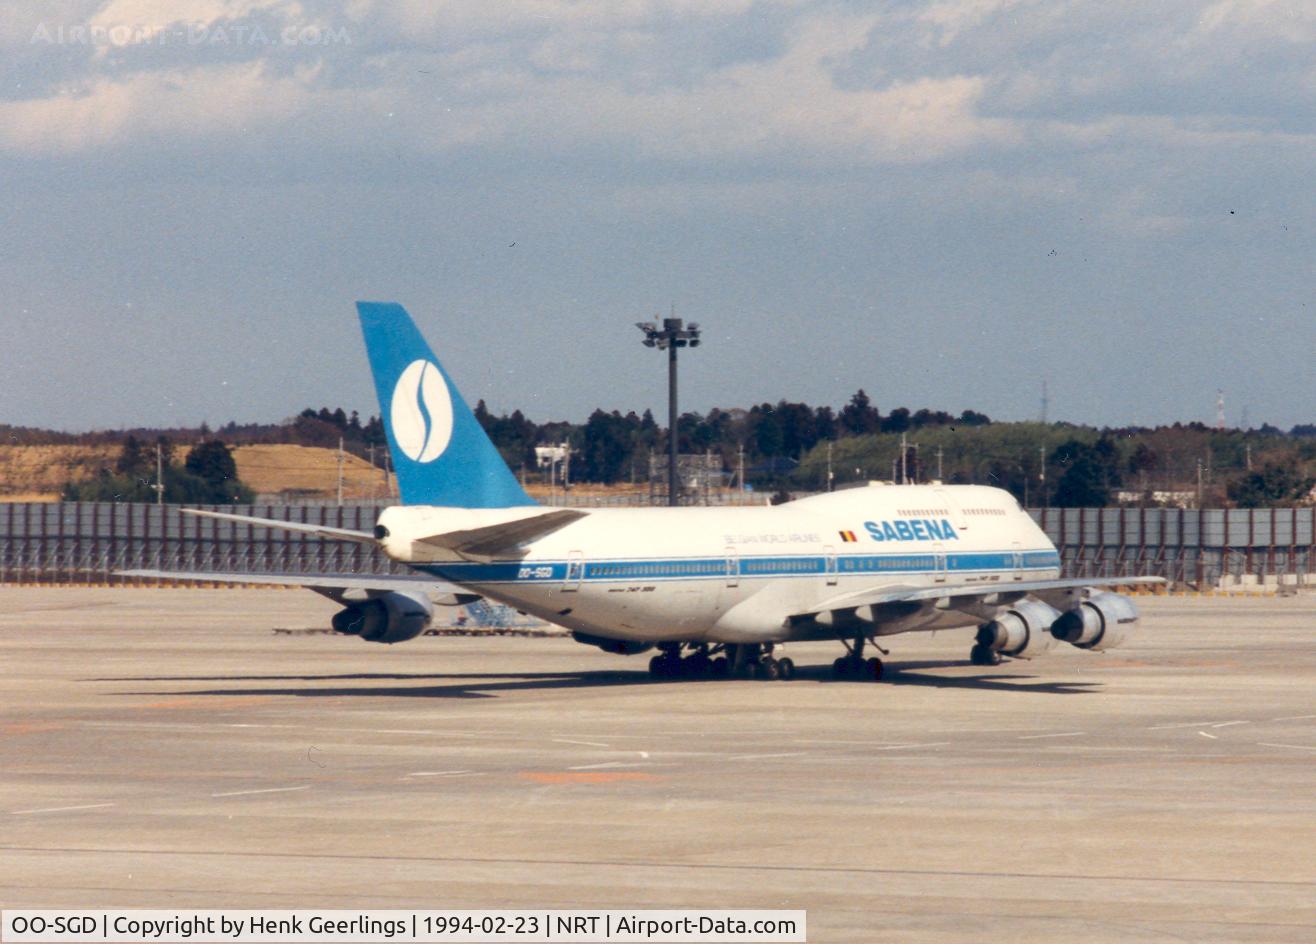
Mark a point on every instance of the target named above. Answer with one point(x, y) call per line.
point(714, 590)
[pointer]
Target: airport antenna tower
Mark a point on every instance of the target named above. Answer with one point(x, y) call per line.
point(1046, 402)
point(1220, 410)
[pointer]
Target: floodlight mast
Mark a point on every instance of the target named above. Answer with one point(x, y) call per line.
point(672, 335)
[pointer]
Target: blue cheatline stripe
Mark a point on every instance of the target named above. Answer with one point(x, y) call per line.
point(719, 568)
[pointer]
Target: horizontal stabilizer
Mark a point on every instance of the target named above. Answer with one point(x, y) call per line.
point(495, 539)
point(320, 530)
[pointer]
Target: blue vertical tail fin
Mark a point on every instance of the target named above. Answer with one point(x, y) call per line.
point(441, 454)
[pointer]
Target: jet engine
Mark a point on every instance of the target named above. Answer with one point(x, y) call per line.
point(390, 617)
point(1102, 621)
point(1021, 631)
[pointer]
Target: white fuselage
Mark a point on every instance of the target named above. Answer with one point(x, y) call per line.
point(740, 574)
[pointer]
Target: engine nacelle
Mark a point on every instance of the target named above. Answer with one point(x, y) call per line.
point(390, 617)
point(621, 647)
point(1102, 621)
point(1021, 632)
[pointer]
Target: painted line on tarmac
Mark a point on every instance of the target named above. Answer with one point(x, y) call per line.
point(608, 766)
point(1229, 724)
point(1065, 734)
point(1295, 718)
point(1182, 724)
point(585, 743)
point(1211, 736)
point(1295, 747)
point(236, 793)
point(766, 756)
point(905, 747)
point(440, 773)
point(61, 809)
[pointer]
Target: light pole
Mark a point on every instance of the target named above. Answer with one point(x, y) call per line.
point(671, 335)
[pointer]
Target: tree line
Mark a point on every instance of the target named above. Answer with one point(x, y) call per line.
point(207, 475)
point(783, 446)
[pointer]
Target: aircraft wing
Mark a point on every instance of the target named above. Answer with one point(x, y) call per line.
point(1008, 592)
point(491, 540)
point(340, 587)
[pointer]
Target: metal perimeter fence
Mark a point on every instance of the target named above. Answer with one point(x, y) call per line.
point(86, 542)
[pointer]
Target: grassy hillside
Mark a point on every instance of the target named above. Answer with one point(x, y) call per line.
point(39, 473)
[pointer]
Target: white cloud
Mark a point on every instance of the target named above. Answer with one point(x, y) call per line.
point(206, 104)
point(158, 14)
point(789, 109)
point(777, 88)
point(1290, 21)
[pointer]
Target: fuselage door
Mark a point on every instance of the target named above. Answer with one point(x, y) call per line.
point(575, 572)
point(829, 564)
point(938, 563)
point(1017, 557)
point(732, 567)
point(957, 515)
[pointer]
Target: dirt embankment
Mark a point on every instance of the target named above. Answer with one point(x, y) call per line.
point(39, 473)
point(307, 471)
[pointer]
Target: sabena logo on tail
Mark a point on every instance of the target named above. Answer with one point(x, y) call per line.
point(441, 454)
point(421, 412)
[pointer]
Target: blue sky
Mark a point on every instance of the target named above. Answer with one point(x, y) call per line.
point(943, 203)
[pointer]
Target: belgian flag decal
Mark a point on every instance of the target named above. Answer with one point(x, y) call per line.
point(848, 537)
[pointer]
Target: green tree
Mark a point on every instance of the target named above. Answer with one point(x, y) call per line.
point(108, 487)
point(859, 416)
point(607, 445)
point(765, 434)
point(1272, 485)
point(825, 424)
point(897, 421)
point(132, 459)
point(799, 432)
point(1089, 473)
point(211, 462)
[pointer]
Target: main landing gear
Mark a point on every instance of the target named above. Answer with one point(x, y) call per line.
point(984, 655)
point(748, 660)
point(754, 660)
point(854, 665)
point(700, 663)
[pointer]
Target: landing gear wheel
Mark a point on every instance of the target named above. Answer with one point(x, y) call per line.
point(874, 666)
point(768, 670)
point(665, 666)
point(720, 667)
point(841, 667)
point(697, 666)
point(984, 655)
point(786, 668)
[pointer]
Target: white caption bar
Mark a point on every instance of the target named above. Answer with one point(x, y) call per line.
point(403, 927)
